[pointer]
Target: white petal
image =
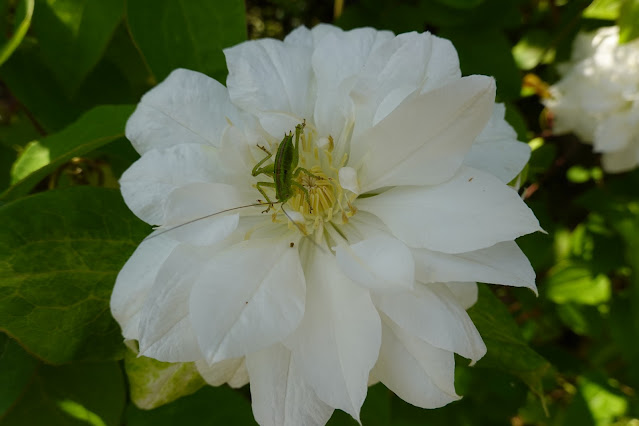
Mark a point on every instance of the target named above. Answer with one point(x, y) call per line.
point(196, 213)
point(432, 313)
point(397, 67)
point(415, 371)
point(279, 393)
point(337, 58)
point(337, 342)
point(471, 211)
point(241, 377)
point(497, 150)
point(187, 107)
point(146, 184)
point(220, 372)
point(465, 293)
point(615, 132)
point(348, 179)
point(135, 280)
point(249, 296)
point(268, 75)
point(300, 36)
point(620, 161)
point(425, 139)
point(503, 263)
point(166, 333)
point(381, 263)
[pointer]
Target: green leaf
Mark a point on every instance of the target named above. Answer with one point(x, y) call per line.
point(186, 33)
point(24, 13)
point(461, 4)
point(94, 129)
point(603, 9)
point(16, 370)
point(628, 19)
point(73, 35)
point(153, 383)
point(532, 49)
point(60, 252)
point(571, 282)
point(79, 394)
point(210, 406)
point(487, 51)
point(507, 350)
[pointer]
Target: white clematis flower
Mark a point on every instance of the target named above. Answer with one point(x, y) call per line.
point(598, 97)
point(407, 164)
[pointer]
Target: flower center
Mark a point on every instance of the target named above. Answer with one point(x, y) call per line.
point(318, 197)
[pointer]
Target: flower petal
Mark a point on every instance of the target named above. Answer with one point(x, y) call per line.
point(503, 263)
point(424, 140)
point(220, 372)
point(497, 150)
point(135, 280)
point(166, 333)
point(146, 184)
point(465, 293)
point(249, 296)
point(198, 213)
point(620, 161)
point(268, 75)
point(471, 211)
point(417, 372)
point(337, 342)
point(432, 313)
point(279, 393)
point(381, 263)
point(187, 107)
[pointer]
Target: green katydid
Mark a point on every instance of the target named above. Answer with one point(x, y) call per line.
point(283, 169)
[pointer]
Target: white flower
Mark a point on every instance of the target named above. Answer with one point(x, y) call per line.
point(405, 208)
point(598, 97)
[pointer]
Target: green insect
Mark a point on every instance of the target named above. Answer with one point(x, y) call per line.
point(283, 170)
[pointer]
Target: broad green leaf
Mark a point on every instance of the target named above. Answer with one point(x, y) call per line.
point(507, 350)
point(73, 35)
point(575, 283)
point(24, 14)
point(487, 51)
point(186, 33)
point(153, 383)
point(94, 129)
point(71, 395)
point(628, 21)
point(210, 406)
point(16, 369)
point(60, 252)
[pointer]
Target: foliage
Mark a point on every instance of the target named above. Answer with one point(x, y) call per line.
point(71, 71)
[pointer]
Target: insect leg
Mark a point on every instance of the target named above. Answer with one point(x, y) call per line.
point(305, 191)
point(257, 170)
point(259, 187)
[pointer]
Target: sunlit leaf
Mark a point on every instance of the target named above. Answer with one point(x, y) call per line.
point(24, 14)
point(96, 128)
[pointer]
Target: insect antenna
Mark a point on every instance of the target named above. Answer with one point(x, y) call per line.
point(200, 218)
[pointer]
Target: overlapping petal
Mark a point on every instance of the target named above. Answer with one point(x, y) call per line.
point(187, 107)
point(471, 211)
point(338, 340)
point(253, 292)
point(435, 131)
point(280, 394)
